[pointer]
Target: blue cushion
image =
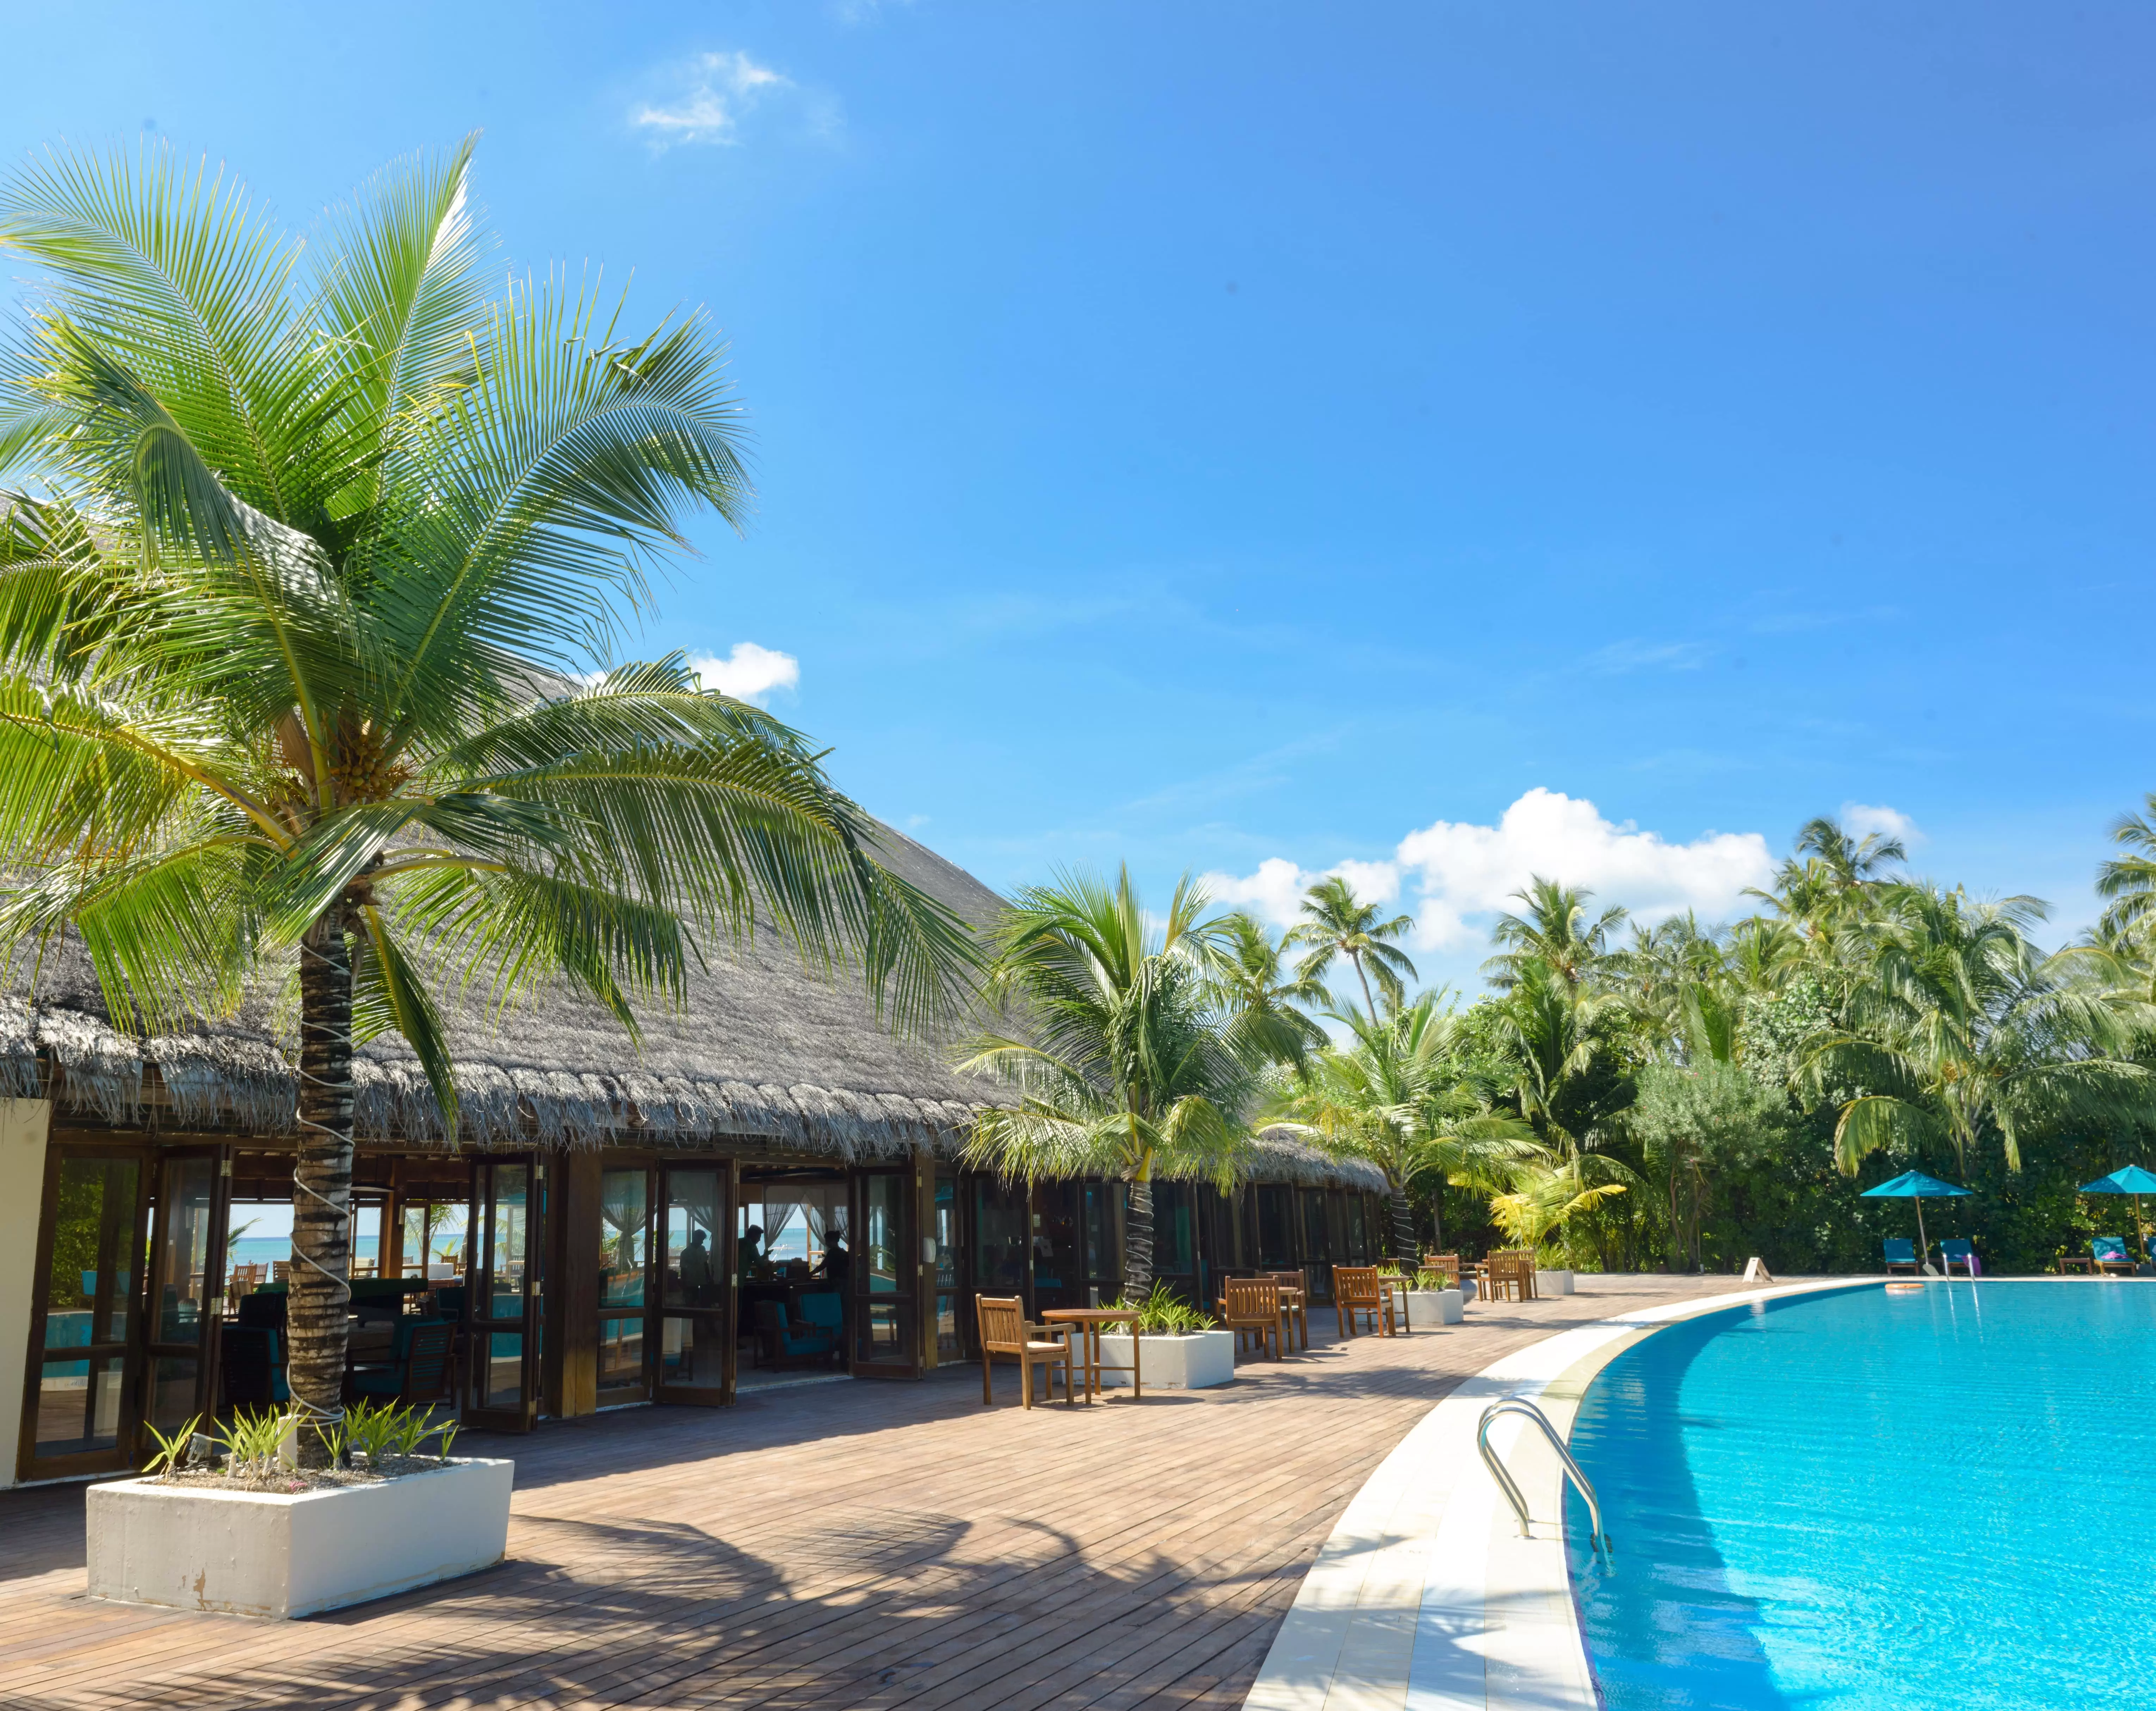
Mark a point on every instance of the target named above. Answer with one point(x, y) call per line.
point(1900, 1248)
point(2108, 1247)
point(825, 1310)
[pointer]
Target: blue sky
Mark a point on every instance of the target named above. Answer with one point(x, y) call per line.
point(1453, 439)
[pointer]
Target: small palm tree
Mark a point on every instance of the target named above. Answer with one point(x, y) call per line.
point(1130, 1065)
point(1556, 933)
point(1335, 924)
point(1265, 1000)
point(1396, 1095)
point(285, 638)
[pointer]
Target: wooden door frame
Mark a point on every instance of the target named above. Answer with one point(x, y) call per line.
point(478, 1249)
point(207, 1344)
point(29, 1466)
point(905, 1264)
point(725, 1315)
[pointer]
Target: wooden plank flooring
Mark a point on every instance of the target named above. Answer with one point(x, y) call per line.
point(833, 1546)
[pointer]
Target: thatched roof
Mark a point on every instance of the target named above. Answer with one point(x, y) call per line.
point(763, 1050)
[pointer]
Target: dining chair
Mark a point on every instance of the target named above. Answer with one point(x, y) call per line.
point(1005, 1331)
point(1251, 1307)
point(1295, 1306)
point(1358, 1293)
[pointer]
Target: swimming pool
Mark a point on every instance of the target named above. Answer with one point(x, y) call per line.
point(1871, 1501)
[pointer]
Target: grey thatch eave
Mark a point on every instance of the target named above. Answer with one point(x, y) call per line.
point(765, 1053)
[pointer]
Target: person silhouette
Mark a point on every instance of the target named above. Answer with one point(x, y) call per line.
point(751, 1246)
point(696, 1270)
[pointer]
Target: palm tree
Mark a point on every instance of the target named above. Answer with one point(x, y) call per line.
point(286, 638)
point(1568, 1081)
point(1265, 999)
point(1959, 1027)
point(1555, 932)
point(1396, 1095)
point(1128, 1064)
point(1334, 924)
point(2129, 881)
point(1831, 878)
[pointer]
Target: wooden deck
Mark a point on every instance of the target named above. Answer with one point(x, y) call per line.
point(835, 1545)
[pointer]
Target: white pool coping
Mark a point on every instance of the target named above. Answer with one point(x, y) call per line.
point(1425, 1598)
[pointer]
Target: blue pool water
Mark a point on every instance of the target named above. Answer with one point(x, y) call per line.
point(1871, 1502)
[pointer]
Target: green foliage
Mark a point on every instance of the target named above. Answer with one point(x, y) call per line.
point(172, 1451)
point(387, 1430)
point(1698, 1125)
point(1163, 1314)
point(255, 1445)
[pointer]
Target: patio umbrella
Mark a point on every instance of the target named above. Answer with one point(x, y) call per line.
point(2136, 1181)
point(1915, 1184)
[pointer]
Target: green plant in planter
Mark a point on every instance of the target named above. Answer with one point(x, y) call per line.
point(254, 1444)
point(381, 1431)
point(1162, 1315)
point(172, 1451)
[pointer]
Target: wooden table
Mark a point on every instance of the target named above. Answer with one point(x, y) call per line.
point(1089, 1321)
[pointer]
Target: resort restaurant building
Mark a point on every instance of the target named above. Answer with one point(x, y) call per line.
point(769, 1185)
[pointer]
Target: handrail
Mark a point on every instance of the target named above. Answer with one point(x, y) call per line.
point(1520, 1405)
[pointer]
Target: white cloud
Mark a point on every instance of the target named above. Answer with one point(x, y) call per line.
point(1466, 873)
point(1862, 820)
point(1273, 893)
point(709, 96)
point(749, 673)
point(1463, 873)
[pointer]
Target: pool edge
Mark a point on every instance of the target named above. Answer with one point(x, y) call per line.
point(1424, 1595)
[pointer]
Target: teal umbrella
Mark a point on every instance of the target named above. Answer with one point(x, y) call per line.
point(1915, 1184)
point(2136, 1181)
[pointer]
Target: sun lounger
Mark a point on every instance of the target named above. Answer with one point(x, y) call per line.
point(1901, 1255)
point(2110, 1254)
point(1958, 1252)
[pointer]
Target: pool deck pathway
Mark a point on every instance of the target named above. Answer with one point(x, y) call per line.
point(833, 1545)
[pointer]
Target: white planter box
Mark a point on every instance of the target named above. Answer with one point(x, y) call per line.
point(1195, 1362)
point(1553, 1282)
point(261, 1554)
point(1428, 1308)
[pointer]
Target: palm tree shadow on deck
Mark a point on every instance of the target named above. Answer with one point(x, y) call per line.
point(905, 1615)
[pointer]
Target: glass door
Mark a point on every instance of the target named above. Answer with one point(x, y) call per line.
point(502, 1301)
point(624, 1261)
point(954, 1305)
point(886, 1275)
point(695, 1325)
point(187, 1284)
point(79, 1406)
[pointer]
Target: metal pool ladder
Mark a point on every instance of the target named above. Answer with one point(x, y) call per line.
point(1510, 1487)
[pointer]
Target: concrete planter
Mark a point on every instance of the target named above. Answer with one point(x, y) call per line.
point(1553, 1282)
point(1428, 1308)
point(1196, 1361)
point(254, 1553)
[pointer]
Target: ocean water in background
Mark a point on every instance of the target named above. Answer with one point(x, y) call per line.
point(265, 1250)
point(1870, 1501)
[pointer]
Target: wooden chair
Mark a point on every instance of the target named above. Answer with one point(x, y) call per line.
point(1501, 1278)
point(419, 1369)
point(1357, 1292)
point(1295, 1309)
point(1252, 1306)
point(1444, 1268)
point(1005, 1331)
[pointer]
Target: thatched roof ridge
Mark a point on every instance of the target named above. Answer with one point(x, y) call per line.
point(764, 1050)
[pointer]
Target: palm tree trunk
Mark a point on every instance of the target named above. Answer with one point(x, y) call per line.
point(1356, 957)
point(1404, 1248)
point(1137, 1241)
point(322, 1183)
